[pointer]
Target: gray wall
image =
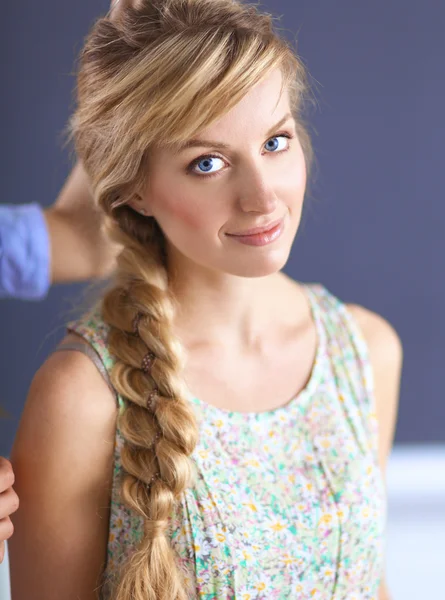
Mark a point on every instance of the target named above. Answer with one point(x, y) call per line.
point(374, 230)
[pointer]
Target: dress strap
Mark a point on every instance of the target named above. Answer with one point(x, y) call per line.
point(348, 355)
point(86, 348)
point(92, 339)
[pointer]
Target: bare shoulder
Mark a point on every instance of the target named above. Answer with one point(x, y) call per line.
point(69, 412)
point(383, 341)
point(69, 388)
point(63, 461)
point(386, 357)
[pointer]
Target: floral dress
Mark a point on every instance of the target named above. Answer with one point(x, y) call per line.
point(288, 503)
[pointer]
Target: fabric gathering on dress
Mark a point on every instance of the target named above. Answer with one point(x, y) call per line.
point(288, 503)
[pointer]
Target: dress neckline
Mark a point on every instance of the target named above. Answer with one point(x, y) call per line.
point(299, 401)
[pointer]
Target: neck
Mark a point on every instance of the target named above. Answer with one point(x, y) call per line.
point(223, 308)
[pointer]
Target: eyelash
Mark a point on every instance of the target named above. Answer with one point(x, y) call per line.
point(193, 164)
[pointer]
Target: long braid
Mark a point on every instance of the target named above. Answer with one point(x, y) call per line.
point(158, 425)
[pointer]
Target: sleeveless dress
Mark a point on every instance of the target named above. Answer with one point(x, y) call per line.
point(288, 503)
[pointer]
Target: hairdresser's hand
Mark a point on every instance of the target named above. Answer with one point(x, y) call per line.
point(117, 6)
point(9, 503)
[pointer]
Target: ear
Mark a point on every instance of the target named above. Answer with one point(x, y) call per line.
point(140, 205)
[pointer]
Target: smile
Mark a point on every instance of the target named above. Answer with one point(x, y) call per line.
point(260, 236)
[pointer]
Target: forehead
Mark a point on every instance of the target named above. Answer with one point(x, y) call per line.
point(265, 104)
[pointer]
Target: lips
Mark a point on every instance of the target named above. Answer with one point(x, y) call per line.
point(260, 236)
point(257, 230)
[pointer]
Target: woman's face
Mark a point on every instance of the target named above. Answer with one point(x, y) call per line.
point(244, 172)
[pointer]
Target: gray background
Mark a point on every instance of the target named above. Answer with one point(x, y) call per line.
point(374, 229)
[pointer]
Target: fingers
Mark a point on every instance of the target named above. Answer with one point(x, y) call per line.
point(6, 529)
point(6, 475)
point(9, 503)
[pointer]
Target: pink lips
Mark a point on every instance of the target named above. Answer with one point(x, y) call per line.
point(260, 236)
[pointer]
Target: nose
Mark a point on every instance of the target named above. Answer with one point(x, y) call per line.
point(256, 192)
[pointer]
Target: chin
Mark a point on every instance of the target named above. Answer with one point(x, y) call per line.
point(262, 266)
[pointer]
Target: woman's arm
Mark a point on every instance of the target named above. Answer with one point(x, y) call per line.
point(63, 459)
point(386, 356)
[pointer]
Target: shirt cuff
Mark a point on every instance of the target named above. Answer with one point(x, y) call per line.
point(25, 252)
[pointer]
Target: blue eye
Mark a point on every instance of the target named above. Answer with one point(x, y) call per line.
point(206, 164)
point(273, 144)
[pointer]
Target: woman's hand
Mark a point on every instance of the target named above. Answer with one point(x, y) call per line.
point(9, 503)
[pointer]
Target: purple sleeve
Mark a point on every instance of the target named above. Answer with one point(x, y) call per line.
point(24, 252)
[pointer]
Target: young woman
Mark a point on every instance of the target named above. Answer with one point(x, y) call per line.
point(223, 430)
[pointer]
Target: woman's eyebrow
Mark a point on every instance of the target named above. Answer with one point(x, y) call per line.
point(200, 143)
point(197, 143)
point(280, 123)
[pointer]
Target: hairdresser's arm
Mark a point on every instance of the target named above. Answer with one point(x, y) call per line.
point(79, 247)
point(63, 243)
point(386, 356)
point(24, 252)
point(63, 460)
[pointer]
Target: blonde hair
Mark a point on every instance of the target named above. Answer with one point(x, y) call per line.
point(160, 73)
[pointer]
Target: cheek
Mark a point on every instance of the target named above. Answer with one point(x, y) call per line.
point(183, 213)
point(292, 184)
point(298, 177)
